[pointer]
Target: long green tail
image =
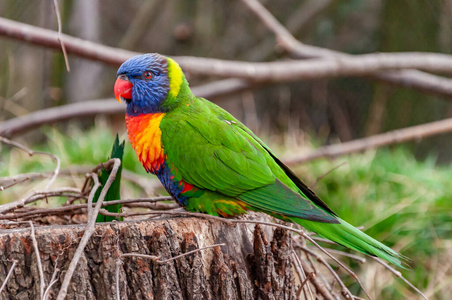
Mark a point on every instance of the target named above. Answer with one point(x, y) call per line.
point(353, 238)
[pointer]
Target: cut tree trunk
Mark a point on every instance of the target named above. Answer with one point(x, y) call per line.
point(252, 265)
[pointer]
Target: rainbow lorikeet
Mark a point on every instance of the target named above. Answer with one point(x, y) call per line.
point(210, 162)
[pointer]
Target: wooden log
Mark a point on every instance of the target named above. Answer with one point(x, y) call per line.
point(255, 263)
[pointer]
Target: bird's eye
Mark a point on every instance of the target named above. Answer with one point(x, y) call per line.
point(147, 75)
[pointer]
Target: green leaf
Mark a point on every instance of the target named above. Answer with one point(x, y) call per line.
point(114, 191)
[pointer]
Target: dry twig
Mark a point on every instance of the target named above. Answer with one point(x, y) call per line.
point(388, 138)
point(399, 275)
point(88, 231)
point(53, 280)
point(34, 196)
point(38, 260)
point(302, 276)
point(13, 182)
point(8, 276)
point(60, 28)
point(92, 193)
point(31, 153)
point(78, 208)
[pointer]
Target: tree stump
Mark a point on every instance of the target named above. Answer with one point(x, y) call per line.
point(255, 263)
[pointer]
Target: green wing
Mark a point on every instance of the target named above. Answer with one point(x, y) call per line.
point(207, 147)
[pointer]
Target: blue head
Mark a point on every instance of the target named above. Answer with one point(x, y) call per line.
point(146, 81)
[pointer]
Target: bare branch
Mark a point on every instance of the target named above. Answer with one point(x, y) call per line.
point(340, 264)
point(327, 173)
point(31, 153)
point(302, 276)
point(409, 78)
point(320, 286)
point(74, 208)
point(345, 291)
point(53, 280)
point(60, 28)
point(13, 182)
point(92, 193)
point(399, 275)
point(88, 231)
point(359, 259)
point(312, 274)
point(318, 68)
point(34, 196)
point(61, 113)
point(38, 260)
point(203, 66)
point(10, 272)
point(49, 38)
point(107, 106)
point(392, 137)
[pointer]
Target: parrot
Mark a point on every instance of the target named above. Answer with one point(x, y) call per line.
point(212, 163)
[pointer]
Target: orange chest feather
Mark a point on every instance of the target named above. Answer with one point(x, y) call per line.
point(145, 137)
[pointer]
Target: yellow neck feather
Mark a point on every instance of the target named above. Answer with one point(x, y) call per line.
point(175, 76)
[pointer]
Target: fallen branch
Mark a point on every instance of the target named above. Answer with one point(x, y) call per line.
point(318, 68)
point(392, 137)
point(79, 208)
point(414, 79)
point(107, 106)
point(34, 196)
point(342, 65)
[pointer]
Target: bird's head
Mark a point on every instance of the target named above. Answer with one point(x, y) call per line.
point(148, 83)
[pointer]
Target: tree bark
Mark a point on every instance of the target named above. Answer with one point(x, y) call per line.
point(255, 263)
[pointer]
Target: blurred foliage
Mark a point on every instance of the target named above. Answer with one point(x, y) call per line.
point(403, 202)
point(341, 109)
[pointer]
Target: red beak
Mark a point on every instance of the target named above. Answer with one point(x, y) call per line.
point(123, 88)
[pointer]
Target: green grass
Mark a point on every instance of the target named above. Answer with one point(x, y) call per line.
point(403, 202)
point(75, 147)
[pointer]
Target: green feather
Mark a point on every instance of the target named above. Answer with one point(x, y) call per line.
point(234, 171)
point(220, 156)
